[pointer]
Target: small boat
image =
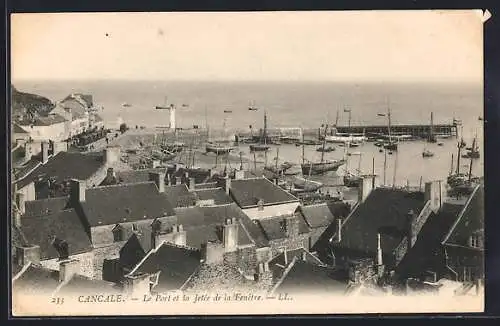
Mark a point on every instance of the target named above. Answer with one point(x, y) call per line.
point(309, 142)
point(351, 180)
point(393, 146)
point(218, 149)
point(440, 144)
point(473, 151)
point(262, 146)
point(306, 184)
point(252, 107)
point(381, 150)
point(427, 153)
point(228, 111)
point(318, 168)
point(390, 153)
point(326, 149)
point(126, 105)
point(354, 144)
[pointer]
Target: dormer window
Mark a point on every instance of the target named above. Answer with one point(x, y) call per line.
point(118, 233)
point(474, 241)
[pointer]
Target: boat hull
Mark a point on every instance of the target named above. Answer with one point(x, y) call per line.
point(321, 168)
point(218, 150)
point(259, 148)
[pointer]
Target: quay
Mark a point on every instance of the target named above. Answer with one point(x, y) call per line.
point(415, 130)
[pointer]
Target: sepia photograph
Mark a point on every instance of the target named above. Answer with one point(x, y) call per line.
point(208, 163)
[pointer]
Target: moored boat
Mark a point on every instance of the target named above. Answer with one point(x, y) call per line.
point(218, 149)
point(306, 184)
point(317, 168)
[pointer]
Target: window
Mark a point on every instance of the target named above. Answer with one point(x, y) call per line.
point(474, 241)
point(134, 227)
point(118, 233)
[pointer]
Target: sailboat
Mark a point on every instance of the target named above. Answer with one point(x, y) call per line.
point(251, 106)
point(462, 183)
point(318, 168)
point(391, 145)
point(262, 146)
point(352, 179)
point(427, 153)
point(219, 147)
point(473, 151)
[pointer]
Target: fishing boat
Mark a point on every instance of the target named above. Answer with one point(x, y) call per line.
point(228, 111)
point(252, 107)
point(343, 138)
point(162, 155)
point(126, 105)
point(354, 144)
point(473, 151)
point(352, 179)
point(221, 146)
point(262, 146)
point(459, 182)
point(326, 149)
point(440, 144)
point(318, 168)
point(391, 145)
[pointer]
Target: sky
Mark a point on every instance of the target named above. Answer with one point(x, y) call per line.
point(414, 46)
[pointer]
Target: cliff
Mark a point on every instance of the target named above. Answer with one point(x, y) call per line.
point(24, 103)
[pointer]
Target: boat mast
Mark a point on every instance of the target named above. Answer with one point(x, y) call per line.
point(389, 121)
point(472, 158)
point(373, 172)
point(385, 165)
point(395, 169)
point(431, 132)
point(303, 149)
point(277, 158)
point(458, 156)
point(337, 119)
point(265, 128)
point(324, 143)
point(451, 168)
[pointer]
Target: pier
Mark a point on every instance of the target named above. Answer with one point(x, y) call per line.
point(415, 130)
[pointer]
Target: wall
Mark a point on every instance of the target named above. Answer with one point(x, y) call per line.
point(28, 192)
point(264, 254)
point(247, 259)
point(86, 260)
point(272, 210)
point(97, 177)
point(315, 234)
point(290, 243)
point(78, 126)
point(105, 252)
point(55, 132)
point(103, 235)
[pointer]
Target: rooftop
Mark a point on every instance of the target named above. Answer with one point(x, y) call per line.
point(304, 278)
point(384, 211)
point(180, 196)
point(324, 214)
point(134, 176)
point(204, 224)
point(125, 203)
point(64, 225)
point(247, 192)
point(274, 227)
point(16, 129)
point(82, 285)
point(60, 167)
point(46, 206)
point(175, 263)
point(49, 120)
point(217, 194)
point(36, 279)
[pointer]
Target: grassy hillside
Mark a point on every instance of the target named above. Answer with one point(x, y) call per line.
point(26, 103)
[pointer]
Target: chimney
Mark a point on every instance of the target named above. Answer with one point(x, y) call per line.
point(230, 234)
point(213, 253)
point(60, 146)
point(159, 179)
point(137, 285)
point(239, 175)
point(291, 226)
point(285, 254)
point(68, 268)
point(412, 237)
point(339, 230)
point(45, 151)
point(192, 183)
point(27, 254)
point(379, 251)
point(77, 192)
point(365, 187)
point(28, 151)
point(434, 192)
point(227, 184)
point(112, 155)
point(304, 255)
point(178, 180)
point(21, 202)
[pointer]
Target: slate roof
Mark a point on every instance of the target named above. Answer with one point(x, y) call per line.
point(36, 279)
point(62, 166)
point(125, 202)
point(207, 185)
point(16, 129)
point(49, 120)
point(426, 253)
point(203, 224)
point(46, 206)
point(309, 278)
point(180, 196)
point(468, 221)
point(217, 194)
point(384, 211)
point(82, 285)
point(199, 175)
point(175, 263)
point(278, 263)
point(273, 227)
point(64, 225)
point(17, 156)
point(324, 214)
point(247, 192)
